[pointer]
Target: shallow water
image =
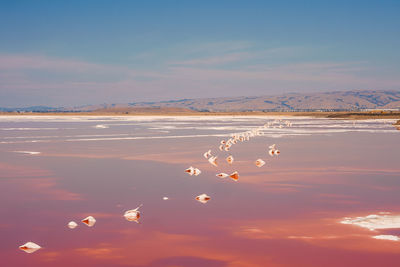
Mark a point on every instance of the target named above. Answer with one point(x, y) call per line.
point(287, 213)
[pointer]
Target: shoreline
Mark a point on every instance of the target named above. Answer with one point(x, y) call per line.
point(332, 115)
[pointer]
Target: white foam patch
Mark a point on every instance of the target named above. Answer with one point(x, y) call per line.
point(387, 237)
point(373, 221)
point(62, 136)
point(326, 131)
point(101, 126)
point(147, 137)
point(215, 125)
point(168, 127)
point(22, 142)
point(28, 152)
point(221, 128)
point(28, 129)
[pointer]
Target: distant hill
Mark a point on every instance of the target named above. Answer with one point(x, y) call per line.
point(34, 109)
point(326, 101)
point(334, 101)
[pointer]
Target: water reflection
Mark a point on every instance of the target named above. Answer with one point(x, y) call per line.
point(328, 170)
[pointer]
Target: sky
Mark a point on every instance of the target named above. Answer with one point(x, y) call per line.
point(72, 53)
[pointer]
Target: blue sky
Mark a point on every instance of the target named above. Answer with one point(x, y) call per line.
point(68, 53)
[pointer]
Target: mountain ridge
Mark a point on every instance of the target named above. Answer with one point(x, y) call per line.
point(321, 101)
point(336, 100)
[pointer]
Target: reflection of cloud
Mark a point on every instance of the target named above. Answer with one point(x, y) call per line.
point(43, 182)
point(271, 186)
point(152, 248)
point(338, 198)
point(48, 188)
point(187, 261)
point(373, 221)
point(165, 245)
point(334, 170)
point(295, 179)
point(19, 171)
point(321, 232)
point(49, 256)
point(293, 229)
point(102, 251)
point(178, 158)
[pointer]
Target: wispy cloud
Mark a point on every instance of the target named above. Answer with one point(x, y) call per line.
point(208, 70)
point(221, 47)
point(21, 62)
point(216, 60)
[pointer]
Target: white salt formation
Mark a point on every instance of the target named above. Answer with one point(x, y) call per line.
point(190, 170)
point(222, 175)
point(273, 151)
point(193, 171)
point(207, 154)
point(203, 198)
point(30, 247)
point(259, 163)
point(229, 159)
point(213, 161)
point(89, 221)
point(234, 176)
point(72, 225)
point(133, 215)
point(196, 172)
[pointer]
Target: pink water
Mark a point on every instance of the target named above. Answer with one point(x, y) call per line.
point(286, 213)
